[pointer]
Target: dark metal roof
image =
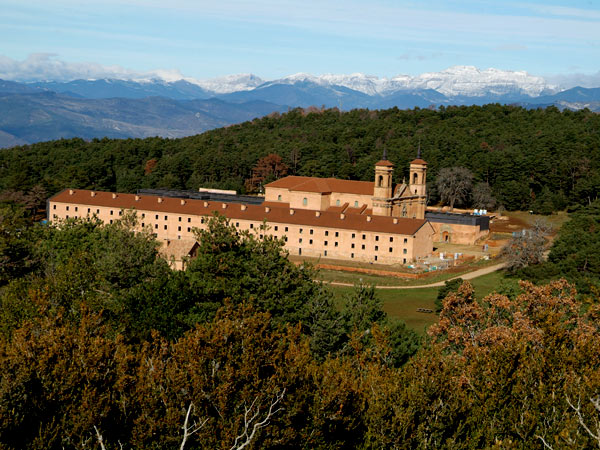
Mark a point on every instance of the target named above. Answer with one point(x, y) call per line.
point(203, 195)
point(460, 219)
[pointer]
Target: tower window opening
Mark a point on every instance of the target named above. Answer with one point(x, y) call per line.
point(380, 181)
point(415, 178)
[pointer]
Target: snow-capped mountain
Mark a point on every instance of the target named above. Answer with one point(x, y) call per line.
point(229, 83)
point(455, 81)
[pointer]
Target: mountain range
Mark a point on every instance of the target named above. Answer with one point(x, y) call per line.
point(44, 110)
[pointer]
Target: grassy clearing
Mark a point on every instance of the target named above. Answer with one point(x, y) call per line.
point(403, 303)
point(354, 277)
point(556, 220)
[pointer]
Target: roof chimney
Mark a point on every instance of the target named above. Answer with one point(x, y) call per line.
point(182, 201)
point(114, 195)
point(223, 205)
point(93, 194)
point(160, 200)
point(267, 209)
point(71, 191)
point(369, 218)
point(243, 207)
point(137, 198)
point(318, 213)
point(342, 216)
point(395, 221)
point(291, 212)
point(206, 204)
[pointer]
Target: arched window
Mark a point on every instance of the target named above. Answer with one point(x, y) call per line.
point(415, 178)
point(380, 181)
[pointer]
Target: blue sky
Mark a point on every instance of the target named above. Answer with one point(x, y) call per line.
point(273, 38)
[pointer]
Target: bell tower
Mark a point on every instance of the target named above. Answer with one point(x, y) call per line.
point(417, 184)
point(382, 190)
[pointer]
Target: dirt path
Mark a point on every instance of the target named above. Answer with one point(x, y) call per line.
point(464, 276)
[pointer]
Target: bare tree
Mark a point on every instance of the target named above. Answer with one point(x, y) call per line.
point(454, 185)
point(252, 423)
point(483, 197)
point(189, 430)
point(595, 433)
point(527, 247)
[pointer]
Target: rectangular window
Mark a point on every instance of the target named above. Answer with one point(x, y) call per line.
point(300, 240)
point(156, 217)
point(310, 241)
point(335, 245)
point(143, 215)
point(305, 201)
point(76, 209)
point(178, 228)
point(237, 224)
point(189, 229)
point(352, 246)
point(251, 225)
point(326, 233)
point(178, 237)
point(311, 231)
point(376, 248)
point(279, 198)
point(89, 210)
point(351, 255)
point(202, 220)
point(325, 253)
point(156, 226)
point(276, 228)
point(353, 235)
point(286, 228)
point(180, 219)
point(68, 217)
point(300, 231)
point(364, 236)
point(285, 238)
point(405, 240)
point(391, 239)
point(143, 224)
point(54, 207)
point(404, 261)
point(165, 227)
point(391, 249)
point(111, 212)
point(97, 211)
point(165, 217)
point(337, 234)
point(375, 257)
point(121, 212)
point(356, 204)
point(404, 252)
point(363, 246)
point(68, 209)
point(376, 238)
point(325, 243)
point(189, 219)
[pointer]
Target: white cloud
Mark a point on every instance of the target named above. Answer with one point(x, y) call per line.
point(46, 66)
point(567, 81)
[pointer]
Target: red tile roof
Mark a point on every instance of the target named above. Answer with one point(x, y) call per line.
point(323, 185)
point(275, 214)
point(418, 161)
point(384, 162)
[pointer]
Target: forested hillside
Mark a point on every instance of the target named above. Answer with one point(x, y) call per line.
point(103, 346)
point(525, 155)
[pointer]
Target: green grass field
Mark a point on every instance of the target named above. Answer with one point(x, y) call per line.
point(403, 303)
